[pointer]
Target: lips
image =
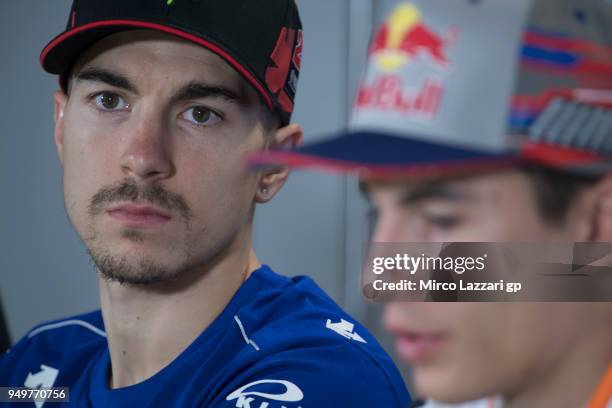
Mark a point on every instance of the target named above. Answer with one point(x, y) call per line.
point(419, 347)
point(138, 215)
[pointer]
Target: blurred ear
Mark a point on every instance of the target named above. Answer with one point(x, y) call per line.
point(59, 104)
point(601, 219)
point(273, 178)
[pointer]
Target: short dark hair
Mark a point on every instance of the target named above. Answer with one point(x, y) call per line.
point(555, 190)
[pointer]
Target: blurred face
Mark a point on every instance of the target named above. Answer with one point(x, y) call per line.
point(152, 139)
point(495, 207)
point(464, 351)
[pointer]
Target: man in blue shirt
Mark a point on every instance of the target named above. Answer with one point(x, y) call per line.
point(160, 103)
point(491, 121)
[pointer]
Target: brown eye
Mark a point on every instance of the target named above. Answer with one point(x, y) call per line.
point(109, 101)
point(200, 115)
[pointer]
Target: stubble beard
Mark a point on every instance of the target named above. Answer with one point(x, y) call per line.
point(135, 269)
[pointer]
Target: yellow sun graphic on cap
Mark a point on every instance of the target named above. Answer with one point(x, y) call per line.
point(403, 19)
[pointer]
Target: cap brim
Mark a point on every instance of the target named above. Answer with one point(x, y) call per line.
point(58, 56)
point(373, 154)
point(566, 159)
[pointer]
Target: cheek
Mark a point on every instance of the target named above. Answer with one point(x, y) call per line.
point(512, 220)
point(481, 355)
point(86, 166)
point(480, 229)
point(513, 215)
point(514, 343)
point(222, 168)
point(215, 183)
point(397, 225)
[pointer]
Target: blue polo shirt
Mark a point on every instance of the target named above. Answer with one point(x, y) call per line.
point(280, 342)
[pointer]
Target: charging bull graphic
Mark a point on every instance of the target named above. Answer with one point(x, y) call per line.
point(405, 37)
point(404, 51)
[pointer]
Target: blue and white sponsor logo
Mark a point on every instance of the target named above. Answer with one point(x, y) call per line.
point(247, 396)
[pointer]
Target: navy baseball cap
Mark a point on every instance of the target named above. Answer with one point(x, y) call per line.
point(472, 84)
point(260, 39)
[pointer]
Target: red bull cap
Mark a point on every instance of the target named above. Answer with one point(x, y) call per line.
point(471, 84)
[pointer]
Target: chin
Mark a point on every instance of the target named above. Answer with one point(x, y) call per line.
point(144, 273)
point(130, 268)
point(448, 386)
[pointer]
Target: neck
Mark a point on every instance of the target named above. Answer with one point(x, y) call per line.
point(572, 381)
point(149, 326)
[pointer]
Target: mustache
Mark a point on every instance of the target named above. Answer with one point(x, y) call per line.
point(129, 190)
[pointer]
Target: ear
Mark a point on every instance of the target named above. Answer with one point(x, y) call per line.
point(59, 105)
point(273, 178)
point(601, 214)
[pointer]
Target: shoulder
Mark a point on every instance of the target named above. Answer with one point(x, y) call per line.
point(297, 315)
point(328, 374)
point(83, 325)
point(67, 332)
point(54, 344)
point(299, 335)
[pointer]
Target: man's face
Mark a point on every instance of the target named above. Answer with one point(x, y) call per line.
point(494, 207)
point(463, 351)
point(152, 138)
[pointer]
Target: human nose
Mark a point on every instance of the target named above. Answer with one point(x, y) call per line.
point(147, 155)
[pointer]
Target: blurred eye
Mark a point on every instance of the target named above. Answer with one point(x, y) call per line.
point(200, 115)
point(443, 221)
point(108, 101)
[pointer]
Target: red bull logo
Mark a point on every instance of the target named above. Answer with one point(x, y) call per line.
point(405, 37)
point(387, 93)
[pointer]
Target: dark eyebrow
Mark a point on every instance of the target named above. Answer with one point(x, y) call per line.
point(428, 192)
point(107, 77)
point(197, 90)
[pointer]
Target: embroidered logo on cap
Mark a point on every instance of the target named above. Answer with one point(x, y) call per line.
point(406, 37)
point(284, 68)
point(406, 42)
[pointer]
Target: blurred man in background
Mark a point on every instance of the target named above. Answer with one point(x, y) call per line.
point(489, 121)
